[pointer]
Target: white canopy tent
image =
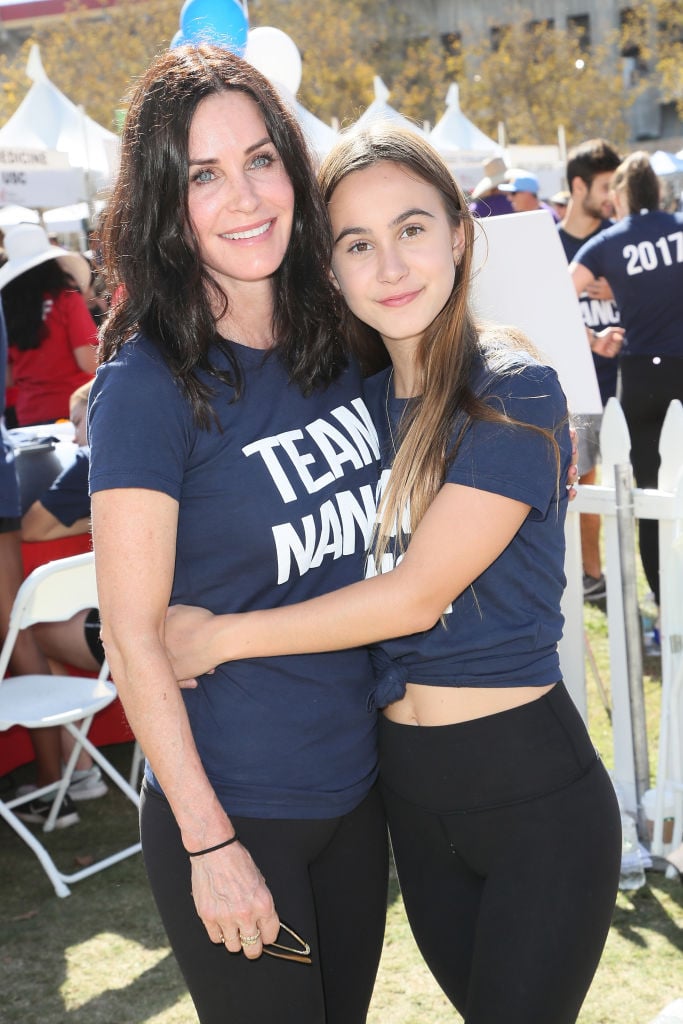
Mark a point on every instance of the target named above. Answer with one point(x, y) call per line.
point(61, 220)
point(454, 135)
point(669, 169)
point(463, 146)
point(319, 136)
point(665, 163)
point(47, 119)
point(379, 110)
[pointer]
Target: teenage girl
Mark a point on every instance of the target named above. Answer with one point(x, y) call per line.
point(503, 820)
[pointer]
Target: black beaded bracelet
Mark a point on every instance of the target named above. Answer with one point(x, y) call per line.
point(211, 849)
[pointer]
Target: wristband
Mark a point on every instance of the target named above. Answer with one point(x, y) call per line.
point(212, 849)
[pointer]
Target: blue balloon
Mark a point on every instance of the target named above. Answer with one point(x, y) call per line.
point(178, 40)
point(221, 22)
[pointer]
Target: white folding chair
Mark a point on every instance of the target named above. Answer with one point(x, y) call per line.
point(136, 764)
point(53, 593)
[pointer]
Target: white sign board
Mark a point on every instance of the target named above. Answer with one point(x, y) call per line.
point(26, 158)
point(41, 188)
point(521, 278)
point(36, 185)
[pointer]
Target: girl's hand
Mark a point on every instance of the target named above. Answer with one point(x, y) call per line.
point(187, 638)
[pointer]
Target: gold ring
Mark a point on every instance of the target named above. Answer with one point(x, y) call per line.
point(250, 940)
point(221, 938)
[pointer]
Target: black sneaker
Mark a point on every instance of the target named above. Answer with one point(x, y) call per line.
point(594, 588)
point(36, 812)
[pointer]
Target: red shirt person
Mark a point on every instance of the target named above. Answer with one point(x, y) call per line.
point(52, 336)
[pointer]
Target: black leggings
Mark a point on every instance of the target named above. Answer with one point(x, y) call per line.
point(646, 388)
point(507, 841)
point(92, 628)
point(329, 882)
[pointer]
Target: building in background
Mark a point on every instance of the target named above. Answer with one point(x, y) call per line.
point(462, 24)
point(466, 23)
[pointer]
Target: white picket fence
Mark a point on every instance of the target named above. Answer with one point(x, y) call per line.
point(666, 505)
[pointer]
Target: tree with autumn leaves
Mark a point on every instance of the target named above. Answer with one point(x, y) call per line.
point(536, 78)
point(653, 34)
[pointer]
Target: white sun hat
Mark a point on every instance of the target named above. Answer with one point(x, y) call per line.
point(27, 246)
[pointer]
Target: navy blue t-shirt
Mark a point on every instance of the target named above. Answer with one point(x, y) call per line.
point(67, 498)
point(597, 314)
point(642, 258)
point(275, 506)
point(504, 629)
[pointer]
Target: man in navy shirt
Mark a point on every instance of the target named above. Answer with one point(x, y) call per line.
point(589, 174)
point(642, 258)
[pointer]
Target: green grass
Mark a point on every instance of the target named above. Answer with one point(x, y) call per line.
point(101, 957)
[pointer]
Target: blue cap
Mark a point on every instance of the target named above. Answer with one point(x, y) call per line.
point(522, 183)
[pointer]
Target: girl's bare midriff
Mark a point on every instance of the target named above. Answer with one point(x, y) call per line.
point(448, 705)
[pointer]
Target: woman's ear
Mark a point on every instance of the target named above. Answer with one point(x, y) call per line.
point(458, 243)
point(334, 281)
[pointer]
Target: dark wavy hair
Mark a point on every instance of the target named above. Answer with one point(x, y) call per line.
point(590, 158)
point(152, 255)
point(23, 300)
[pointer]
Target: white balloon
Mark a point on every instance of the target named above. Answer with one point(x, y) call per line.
point(276, 56)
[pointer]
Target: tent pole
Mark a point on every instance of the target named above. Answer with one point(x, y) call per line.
point(89, 198)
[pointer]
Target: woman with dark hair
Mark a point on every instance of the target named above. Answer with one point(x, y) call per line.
point(504, 824)
point(641, 257)
point(53, 339)
point(27, 657)
point(234, 463)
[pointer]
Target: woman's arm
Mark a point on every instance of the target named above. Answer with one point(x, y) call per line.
point(581, 276)
point(608, 342)
point(134, 533)
point(86, 358)
point(38, 523)
point(462, 533)
point(81, 330)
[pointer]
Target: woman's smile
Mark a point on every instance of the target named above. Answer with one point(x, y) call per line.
point(247, 234)
point(401, 300)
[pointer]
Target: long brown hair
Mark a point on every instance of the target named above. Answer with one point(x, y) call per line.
point(450, 350)
point(152, 256)
point(635, 176)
